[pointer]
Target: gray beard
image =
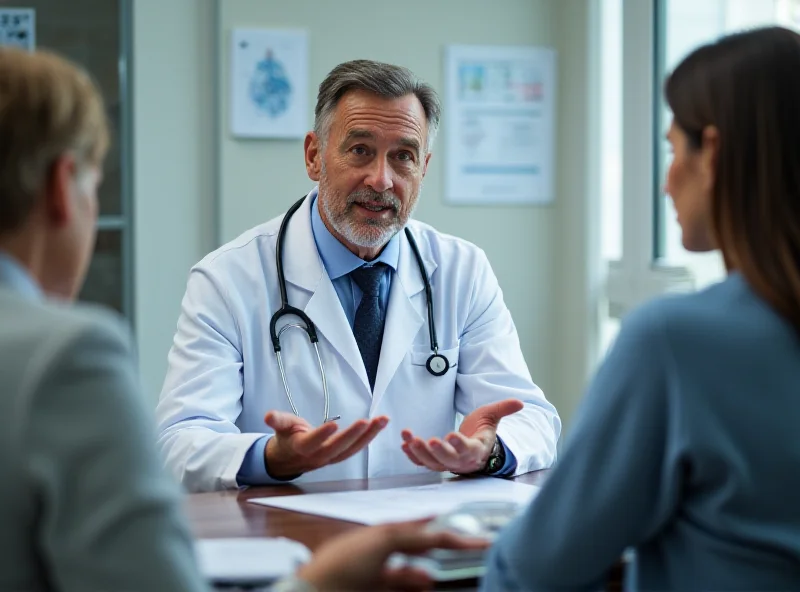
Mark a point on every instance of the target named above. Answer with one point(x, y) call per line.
point(371, 234)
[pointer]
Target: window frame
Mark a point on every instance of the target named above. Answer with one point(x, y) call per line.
point(640, 274)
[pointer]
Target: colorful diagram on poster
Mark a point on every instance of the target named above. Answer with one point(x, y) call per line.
point(270, 88)
point(500, 112)
point(269, 83)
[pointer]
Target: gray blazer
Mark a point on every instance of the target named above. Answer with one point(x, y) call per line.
point(84, 504)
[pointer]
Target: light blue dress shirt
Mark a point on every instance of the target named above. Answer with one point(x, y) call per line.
point(15, 277)
point(339, 261)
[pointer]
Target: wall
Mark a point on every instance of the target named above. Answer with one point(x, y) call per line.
point(260, 179)
point(575, 250)
point(174, 151)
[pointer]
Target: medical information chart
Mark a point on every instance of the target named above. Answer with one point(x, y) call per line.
point(499, 123)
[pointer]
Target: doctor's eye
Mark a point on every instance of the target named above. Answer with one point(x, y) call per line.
point(405, 156)
point(359, 150)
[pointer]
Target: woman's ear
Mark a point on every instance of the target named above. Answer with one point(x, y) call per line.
point(709, 151)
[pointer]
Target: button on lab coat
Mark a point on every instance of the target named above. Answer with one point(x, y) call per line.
point(223, 376)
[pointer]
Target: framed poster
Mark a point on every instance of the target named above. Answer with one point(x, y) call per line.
point(269, 83)
point(500, 114)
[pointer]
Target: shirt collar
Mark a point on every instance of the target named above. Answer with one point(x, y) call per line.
point(338, 259)
point(16, 278)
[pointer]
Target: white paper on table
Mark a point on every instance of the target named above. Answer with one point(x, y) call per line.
point(249, 560)
point(378, 506)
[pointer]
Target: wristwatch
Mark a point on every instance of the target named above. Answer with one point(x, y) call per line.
point(496, 460)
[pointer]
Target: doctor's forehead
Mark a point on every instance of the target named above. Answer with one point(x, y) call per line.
point(361, 114)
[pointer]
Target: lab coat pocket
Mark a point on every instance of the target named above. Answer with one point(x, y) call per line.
point(434, 395)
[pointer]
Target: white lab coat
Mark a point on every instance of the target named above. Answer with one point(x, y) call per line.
point(223, 376)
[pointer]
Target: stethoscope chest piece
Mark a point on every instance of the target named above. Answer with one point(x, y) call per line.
point(437, 364)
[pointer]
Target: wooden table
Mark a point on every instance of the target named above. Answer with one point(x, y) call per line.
point(228, 513)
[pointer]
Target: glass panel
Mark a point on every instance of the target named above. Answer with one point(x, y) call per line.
point(609, 153)
point(105, 280)
point(611, 129)
point(88, 32)
point(683, 26)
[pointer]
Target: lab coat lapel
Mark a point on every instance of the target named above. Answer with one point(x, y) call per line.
point(304, 269)
point(405, 314)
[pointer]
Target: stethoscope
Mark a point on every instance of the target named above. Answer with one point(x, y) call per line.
point(437, 364)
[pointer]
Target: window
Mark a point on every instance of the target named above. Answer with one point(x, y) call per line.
point(609, 149)
point(682, 26)
point(95, 34)
point(656, 35)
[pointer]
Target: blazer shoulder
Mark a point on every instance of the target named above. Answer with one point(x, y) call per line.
point(49, 329)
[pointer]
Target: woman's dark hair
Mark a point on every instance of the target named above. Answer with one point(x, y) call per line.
point(747, 86)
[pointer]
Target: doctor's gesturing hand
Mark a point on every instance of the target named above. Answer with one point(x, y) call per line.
point(464, 451)
point(298, 447)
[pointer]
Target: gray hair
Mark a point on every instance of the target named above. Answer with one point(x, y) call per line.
point(384, 80)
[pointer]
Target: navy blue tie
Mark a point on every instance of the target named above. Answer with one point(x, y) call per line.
point(368, 325)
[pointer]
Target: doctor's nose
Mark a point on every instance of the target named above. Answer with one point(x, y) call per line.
point(379, 177)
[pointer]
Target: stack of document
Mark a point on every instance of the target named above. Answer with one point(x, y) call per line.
point(249, 562)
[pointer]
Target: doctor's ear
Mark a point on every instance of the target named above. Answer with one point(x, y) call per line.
point(425, 166)
point(313, 153)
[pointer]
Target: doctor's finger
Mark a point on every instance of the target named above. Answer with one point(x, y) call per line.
point(421, 451)
point(285, 422)
point(410, 454)
point(497, 411)
point(337, 444)
point(373, 430)
point(308, 443)
point(445, 454)
point(465, 445)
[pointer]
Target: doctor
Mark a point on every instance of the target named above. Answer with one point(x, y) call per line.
point(300, 340)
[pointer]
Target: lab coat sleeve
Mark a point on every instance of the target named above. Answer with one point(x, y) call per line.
point(202, 394)
point(491, 368)
point(617, 483)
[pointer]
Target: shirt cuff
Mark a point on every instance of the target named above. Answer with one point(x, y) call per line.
point(254, 468)
point(510, 466)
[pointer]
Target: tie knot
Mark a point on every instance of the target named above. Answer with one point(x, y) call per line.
point(368, 278)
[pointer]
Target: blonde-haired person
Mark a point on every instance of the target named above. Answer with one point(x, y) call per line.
point(85, 505)
point(687, 446)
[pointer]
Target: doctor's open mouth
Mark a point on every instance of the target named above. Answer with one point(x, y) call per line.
point(371, 201)
point(370, 210)
point(380, 209)
point(375, 206)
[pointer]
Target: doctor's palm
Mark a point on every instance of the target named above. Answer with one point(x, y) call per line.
point(297, 447)
point(466, 450)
